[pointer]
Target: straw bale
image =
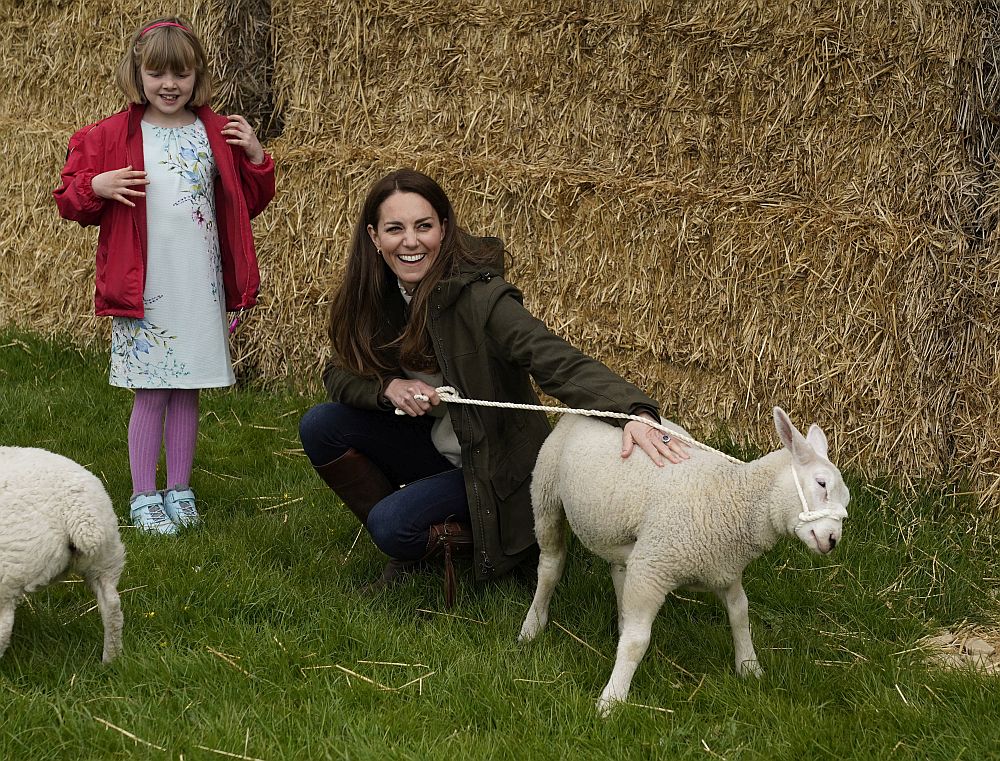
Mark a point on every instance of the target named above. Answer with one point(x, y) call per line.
point(733, 203)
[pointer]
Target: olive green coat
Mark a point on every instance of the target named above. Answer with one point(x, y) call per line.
point(488, 346)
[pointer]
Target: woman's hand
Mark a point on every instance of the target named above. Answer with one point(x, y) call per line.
point(117, 185)
point(401, 394)
point(239, 132)
point(651, 441)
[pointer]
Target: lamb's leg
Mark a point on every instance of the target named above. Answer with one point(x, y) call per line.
point(738, 608)
point(642, 598)
point(6, 623)
point(105, 590)
point(618, 578)
point(551, 562)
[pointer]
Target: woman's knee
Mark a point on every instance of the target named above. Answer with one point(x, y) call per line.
point(384, 530)
point(394, 535)
point(318, 429)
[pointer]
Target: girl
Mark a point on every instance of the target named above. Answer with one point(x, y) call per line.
point(173, 186)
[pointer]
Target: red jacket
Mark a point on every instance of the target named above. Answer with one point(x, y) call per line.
point(242, 190)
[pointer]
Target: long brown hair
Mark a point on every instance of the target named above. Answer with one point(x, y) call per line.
point(356, 312)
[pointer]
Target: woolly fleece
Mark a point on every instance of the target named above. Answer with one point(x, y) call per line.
point(56, 516)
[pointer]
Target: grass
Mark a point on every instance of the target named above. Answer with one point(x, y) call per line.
point(247, 637)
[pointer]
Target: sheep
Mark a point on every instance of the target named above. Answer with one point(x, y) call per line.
point(56, 516)
point(695, 524)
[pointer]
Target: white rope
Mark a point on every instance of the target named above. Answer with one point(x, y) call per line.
point(807, 515)
point(449, 394)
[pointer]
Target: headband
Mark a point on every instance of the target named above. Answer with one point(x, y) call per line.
point(162, 23)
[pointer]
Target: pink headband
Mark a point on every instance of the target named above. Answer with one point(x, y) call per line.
point(162, 23)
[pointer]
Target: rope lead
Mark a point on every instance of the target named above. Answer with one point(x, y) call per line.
point(449, 394)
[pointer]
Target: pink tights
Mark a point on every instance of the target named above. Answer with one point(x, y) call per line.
point(156, 411)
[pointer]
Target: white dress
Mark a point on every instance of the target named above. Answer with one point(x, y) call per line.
point(183, 339)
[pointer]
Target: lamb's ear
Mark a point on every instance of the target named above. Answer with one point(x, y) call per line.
point(817, 438)
point(791, 438)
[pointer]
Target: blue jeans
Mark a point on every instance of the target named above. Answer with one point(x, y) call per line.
point(432, 490)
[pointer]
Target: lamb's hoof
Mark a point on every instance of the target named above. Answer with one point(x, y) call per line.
point(533, 624)
point(528, 633)
point(750, 668)
point(606, 705)
point(110, 655)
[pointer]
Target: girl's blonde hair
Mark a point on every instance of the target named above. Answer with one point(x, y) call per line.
point(163, 44)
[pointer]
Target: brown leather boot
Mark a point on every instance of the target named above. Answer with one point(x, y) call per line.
point(450, 539)
point(394, 572)
point(357, 481)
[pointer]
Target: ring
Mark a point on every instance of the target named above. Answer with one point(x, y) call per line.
point(665, 438)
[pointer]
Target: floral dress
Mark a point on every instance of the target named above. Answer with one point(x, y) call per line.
point(182, 341)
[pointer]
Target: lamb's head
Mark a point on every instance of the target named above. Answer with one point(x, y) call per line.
point(820, 524)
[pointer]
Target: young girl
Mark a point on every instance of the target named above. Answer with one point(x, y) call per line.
point(173, 186)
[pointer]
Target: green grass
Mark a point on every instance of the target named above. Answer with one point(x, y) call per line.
point(237, 632)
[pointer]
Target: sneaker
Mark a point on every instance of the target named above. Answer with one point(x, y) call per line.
point(179, 504)
point(147, 514)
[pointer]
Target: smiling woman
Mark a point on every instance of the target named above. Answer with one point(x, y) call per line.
point(408, 237)
point(423, 304)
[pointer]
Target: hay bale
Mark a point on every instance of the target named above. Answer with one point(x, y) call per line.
point(734, 204)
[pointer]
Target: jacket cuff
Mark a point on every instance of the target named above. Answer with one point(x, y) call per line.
point(381, 401)
point(638, 409)
point(89, 200)
point(265, 166)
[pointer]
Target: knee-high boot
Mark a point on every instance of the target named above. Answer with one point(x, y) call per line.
point(358, 482)
point(361, 485)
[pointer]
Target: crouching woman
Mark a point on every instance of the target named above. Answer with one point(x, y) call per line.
point(424, 304)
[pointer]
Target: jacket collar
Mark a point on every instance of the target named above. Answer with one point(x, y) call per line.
point(135, 112)
point(449, 289)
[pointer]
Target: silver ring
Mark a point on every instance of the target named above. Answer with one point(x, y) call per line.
point(665, 438)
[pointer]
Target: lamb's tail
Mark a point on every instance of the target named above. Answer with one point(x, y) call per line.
point(89, 516)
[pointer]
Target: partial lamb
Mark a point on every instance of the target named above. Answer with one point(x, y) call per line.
point(695, 524)
point(56, 516)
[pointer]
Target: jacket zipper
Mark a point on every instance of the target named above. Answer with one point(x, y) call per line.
point(484, 559)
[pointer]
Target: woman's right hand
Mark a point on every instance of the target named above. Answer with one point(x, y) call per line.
point(117, 185)
point(402, 392)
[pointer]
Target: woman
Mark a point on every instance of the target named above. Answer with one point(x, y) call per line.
point(424, 304)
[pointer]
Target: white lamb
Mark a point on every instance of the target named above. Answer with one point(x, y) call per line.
point(696, 524)
point(55, 516)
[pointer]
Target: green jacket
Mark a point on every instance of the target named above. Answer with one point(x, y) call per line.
point(489, 346)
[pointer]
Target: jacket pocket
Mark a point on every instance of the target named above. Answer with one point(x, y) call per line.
point(511, 482)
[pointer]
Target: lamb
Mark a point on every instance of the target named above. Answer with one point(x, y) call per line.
point(696, 524)
point(55, 516)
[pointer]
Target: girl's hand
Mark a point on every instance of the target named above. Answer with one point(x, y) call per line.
point(239, 132)
point(650, 440)
point(117, 185)
point(401, 392)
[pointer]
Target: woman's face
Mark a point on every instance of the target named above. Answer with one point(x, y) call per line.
point(409, 235)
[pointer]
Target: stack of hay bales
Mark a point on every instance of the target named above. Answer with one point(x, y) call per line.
point(734, 204)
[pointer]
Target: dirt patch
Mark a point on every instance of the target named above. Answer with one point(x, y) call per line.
point(967, 647)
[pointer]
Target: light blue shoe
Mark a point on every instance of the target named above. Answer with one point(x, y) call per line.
point(179, 504)
point(147, 514)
